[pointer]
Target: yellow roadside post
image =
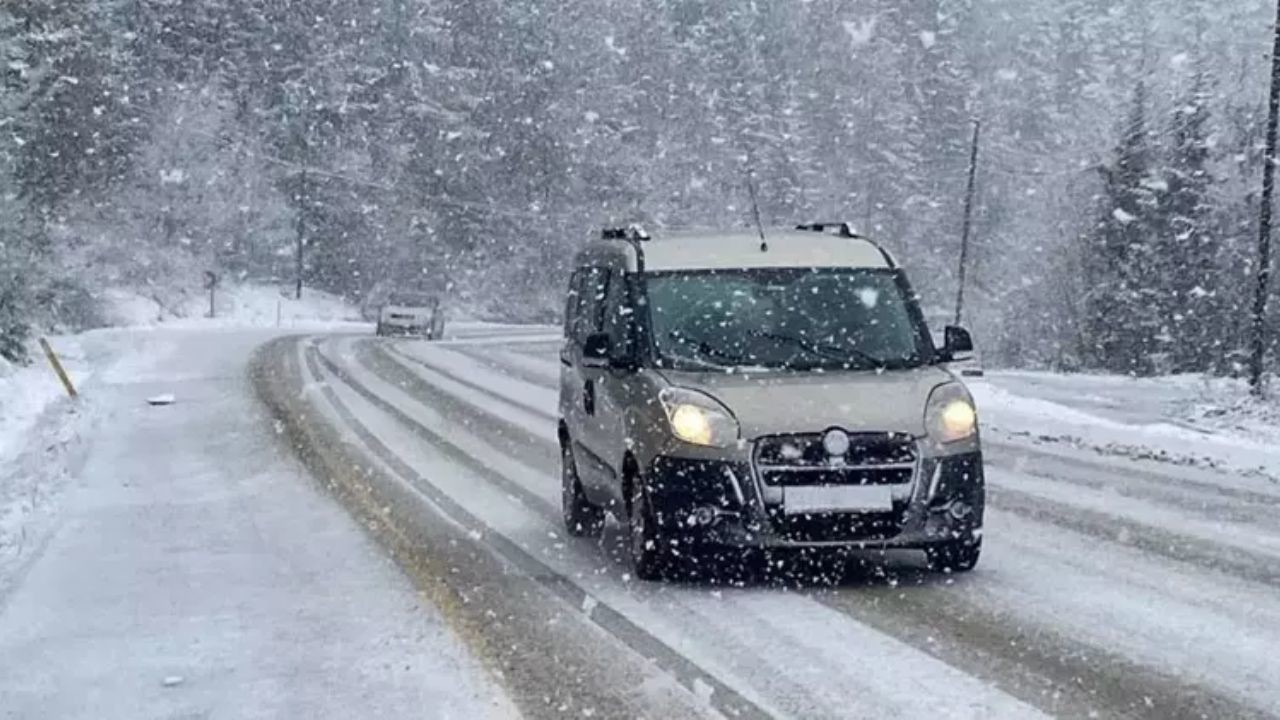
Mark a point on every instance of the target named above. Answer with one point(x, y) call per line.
point(57, 368)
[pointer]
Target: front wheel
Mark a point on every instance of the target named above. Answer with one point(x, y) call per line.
point(956, 557)
point(581, 518)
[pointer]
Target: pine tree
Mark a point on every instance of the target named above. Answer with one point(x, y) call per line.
point(1187, 250)
point(17, 266)
point(1120, 319)
point(15, 263)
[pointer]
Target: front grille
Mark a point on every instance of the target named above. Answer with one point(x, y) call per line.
point(801, 460)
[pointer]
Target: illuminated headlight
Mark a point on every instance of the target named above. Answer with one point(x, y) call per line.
point(950, 416)
point(699, 419)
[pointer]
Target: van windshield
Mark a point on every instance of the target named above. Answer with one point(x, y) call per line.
point(788, 319)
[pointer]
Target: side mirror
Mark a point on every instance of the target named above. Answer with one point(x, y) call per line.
point(597, 351)
point(957, 341)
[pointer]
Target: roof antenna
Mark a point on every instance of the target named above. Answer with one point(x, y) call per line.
point(755, 211)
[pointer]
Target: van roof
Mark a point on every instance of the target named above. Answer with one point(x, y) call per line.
point(741, 249)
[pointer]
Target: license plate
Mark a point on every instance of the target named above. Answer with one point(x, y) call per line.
point(856, 498)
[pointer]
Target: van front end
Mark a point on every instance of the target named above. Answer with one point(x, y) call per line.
point(884, 491)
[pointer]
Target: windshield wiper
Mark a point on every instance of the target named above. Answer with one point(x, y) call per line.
point(707, 350)
point(828, 352)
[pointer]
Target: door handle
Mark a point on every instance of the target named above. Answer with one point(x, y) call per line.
point(589, 397)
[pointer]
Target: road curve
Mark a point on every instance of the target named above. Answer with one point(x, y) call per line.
point(1108, 590)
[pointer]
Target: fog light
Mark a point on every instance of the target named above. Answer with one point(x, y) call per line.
point(704, 516)
point(960, 510)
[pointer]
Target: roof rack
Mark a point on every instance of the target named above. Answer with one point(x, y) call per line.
point(631, 232)
point(843, 229)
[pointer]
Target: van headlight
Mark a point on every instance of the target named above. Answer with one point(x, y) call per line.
point(698, 418)
point(950, 415)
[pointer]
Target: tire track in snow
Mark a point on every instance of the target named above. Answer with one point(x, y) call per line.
point(1170, 487)
point(555, 664)
point(723, 697)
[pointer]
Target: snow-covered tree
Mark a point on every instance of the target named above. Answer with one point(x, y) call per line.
point(1121, 320)
point(1186, 269)
point(464, 142)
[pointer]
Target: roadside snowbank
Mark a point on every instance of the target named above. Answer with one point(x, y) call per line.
point(1188, 420)
point(25, 392)
point(236, 306)
point(37, 426)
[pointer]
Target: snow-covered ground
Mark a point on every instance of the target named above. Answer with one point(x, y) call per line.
point(39, 424)
point(189, 566)
point(1182, 419)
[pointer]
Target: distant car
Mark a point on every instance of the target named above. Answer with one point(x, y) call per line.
point(411, 314)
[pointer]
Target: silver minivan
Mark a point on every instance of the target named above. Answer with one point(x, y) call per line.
point(720, 391)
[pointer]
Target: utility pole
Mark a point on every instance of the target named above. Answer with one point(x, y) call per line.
point(755, 210)
point(1259, 339)
point(304, 200)
point(301, 231)
point(968, 217)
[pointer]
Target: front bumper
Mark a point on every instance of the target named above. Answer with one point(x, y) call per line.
point(725, 503)
point(417, 328)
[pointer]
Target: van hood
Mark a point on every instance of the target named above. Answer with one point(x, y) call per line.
point(780, 403)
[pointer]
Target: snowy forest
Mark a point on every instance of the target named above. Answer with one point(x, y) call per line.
point(476, 144)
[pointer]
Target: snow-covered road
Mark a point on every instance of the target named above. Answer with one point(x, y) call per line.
point(195, 569)
point(1110, 587)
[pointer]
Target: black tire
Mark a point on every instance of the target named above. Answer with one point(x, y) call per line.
point(379, 331)
point(649, 556)
point(954, 557)
point(581, 518)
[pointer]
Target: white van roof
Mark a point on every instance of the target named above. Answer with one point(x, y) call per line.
point(702, 250)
